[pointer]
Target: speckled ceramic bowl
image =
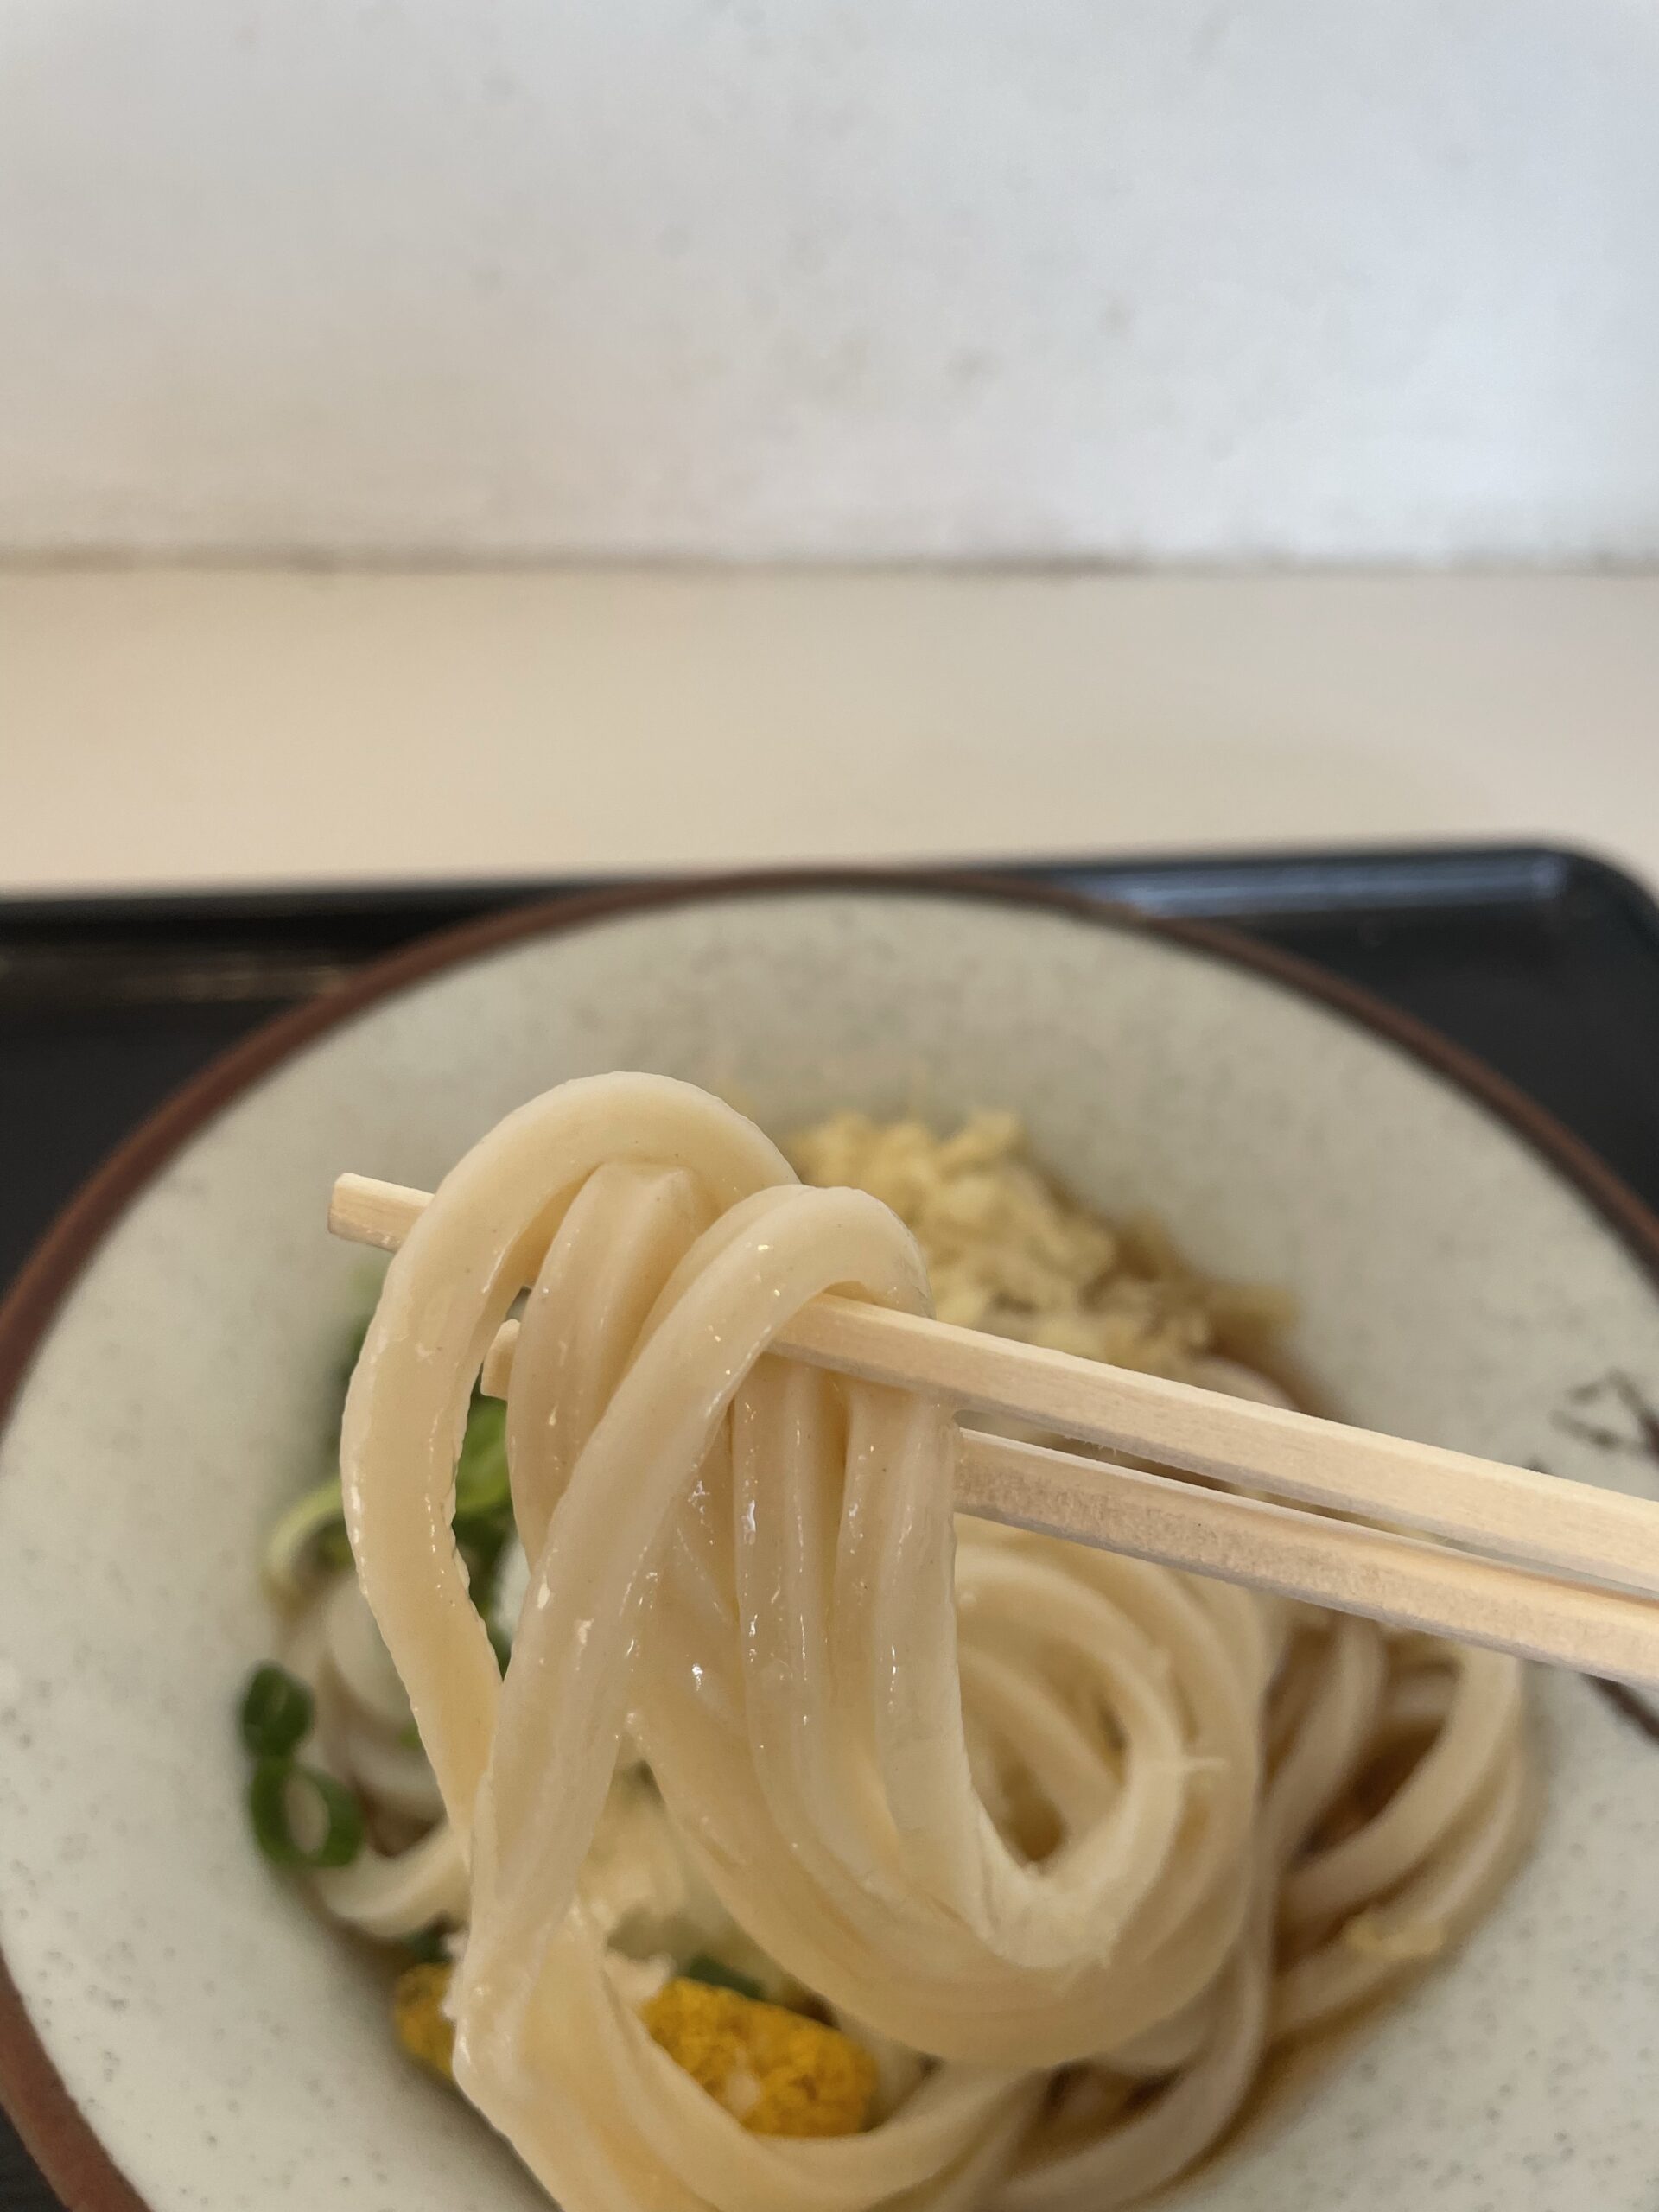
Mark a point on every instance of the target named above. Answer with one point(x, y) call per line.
point(178, 2030)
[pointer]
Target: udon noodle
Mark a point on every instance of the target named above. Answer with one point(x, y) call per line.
point(1062, 1845)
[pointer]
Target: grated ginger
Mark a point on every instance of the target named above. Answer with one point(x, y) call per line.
point(778, 2072)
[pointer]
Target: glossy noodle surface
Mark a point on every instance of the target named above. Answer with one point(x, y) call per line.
point(1017, 1860)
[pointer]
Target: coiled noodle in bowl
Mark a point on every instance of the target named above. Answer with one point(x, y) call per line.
point(817, 1850)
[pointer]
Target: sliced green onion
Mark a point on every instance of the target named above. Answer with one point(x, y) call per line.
point(283, 1792)
point(718, 1976)
point(429, 1946)
point(479, 1544)
point(276, 1710)
point(481, 1485)
point(333, 1548)
point(293, 1544)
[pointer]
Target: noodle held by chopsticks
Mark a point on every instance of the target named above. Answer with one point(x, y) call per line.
point(1004, 1803)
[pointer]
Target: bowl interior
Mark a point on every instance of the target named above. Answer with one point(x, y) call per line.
point(228, 2048)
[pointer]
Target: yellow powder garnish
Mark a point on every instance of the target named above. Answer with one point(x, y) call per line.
point(417, 2015)
point(776, 2071)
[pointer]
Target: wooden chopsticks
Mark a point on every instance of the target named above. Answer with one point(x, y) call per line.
point(1554, 1570)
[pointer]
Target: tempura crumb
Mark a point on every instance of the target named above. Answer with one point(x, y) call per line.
point(1009, 1251)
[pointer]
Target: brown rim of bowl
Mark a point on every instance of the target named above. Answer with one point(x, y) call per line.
point(52, 2125)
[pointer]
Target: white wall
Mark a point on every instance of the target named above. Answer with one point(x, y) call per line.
point(1179, 278)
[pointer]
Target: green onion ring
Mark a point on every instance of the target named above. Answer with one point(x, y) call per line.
point(290, 1548)
point(269, 1804)
point(276, 1712)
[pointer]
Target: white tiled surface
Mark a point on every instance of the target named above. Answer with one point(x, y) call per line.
point(171, 726)
point(1153, 278)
